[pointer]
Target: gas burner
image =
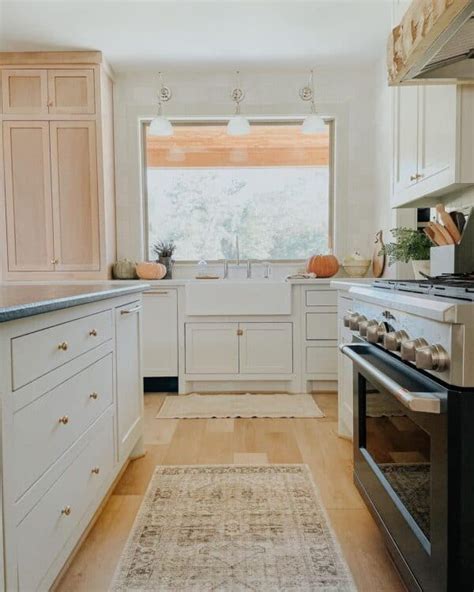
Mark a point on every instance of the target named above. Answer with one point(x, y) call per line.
point(459, 286)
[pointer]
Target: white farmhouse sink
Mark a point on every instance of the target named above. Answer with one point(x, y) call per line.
point(238, 297)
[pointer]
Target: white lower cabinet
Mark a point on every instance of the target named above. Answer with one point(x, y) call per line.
point(239, 348)
point(266, 348)
point(160, 333)
point(129, 378)
point(212, 348)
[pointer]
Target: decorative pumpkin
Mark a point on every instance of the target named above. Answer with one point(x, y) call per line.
point(148, 270)
point(323, 266)
point(124, 269)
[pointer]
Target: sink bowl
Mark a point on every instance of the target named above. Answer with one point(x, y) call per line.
point(238, 297)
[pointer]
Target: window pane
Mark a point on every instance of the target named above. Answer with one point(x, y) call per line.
point(270, 188)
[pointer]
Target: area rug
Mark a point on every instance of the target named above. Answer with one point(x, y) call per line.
point(210, 406)
point(231, 528)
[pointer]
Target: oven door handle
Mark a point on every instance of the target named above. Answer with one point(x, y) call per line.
point(419, 402)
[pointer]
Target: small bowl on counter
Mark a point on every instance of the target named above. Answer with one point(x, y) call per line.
point(356, 267)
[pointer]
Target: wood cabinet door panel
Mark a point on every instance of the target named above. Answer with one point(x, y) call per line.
point(212, 348)
point(75, 195)
point(71, 91)
point(28, 196)
point(160, 333)
point(266, 348)
point(25, 91)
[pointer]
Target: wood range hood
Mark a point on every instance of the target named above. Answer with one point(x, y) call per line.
point(433, 42)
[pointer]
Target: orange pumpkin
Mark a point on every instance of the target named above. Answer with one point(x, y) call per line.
point(323, 266)
point(151, 271)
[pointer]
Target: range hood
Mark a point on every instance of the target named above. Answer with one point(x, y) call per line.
point(434, 42)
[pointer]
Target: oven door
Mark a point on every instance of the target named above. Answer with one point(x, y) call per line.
point(400, 460)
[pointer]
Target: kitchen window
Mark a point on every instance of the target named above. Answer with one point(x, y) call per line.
point(271, 188)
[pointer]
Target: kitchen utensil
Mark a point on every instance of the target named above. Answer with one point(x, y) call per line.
point(448, 223)
point(439, 235)
point(459, 219)
point(430, 234)
point(378, 257)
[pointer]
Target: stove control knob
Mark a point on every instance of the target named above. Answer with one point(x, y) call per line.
point(364, 326)
point(432, 357)
point(393, 340)
point(347, 318)
point(355, 320)
point(375, 333)
point(409, 347)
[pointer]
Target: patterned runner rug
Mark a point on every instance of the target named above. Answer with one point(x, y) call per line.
point(248, 405)
point(232, 528)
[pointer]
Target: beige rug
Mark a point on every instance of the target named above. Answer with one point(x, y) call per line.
point(232, 529)
point(209, 406)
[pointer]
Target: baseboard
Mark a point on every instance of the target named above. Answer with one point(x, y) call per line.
point(160, 384)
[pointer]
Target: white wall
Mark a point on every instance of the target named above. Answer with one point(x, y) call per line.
point(347, 94)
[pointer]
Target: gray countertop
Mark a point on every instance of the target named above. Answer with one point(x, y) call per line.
point(18, 301)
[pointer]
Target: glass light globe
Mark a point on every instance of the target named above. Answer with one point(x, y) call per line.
point(313, 124)
point(238, 126)
point(160, 126)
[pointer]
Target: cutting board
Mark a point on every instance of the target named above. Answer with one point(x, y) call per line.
point(378, 259)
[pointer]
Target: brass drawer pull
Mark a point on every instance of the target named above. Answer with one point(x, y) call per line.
point(63, 346)
point(64, 420)
point(66, 511)
point(94, 396)
point(95, 470)
point(127, 311)
point(93, 332)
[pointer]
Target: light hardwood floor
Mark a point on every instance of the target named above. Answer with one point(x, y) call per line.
point(241, 441)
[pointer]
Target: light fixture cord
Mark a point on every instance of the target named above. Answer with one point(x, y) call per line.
point(311, 85)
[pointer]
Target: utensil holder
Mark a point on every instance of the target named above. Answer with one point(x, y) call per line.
point(455, 258)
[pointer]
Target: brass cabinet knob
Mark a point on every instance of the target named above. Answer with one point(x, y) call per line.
point(63, 346)
point(50, 103)
point(54, 261)
point(240, 332)
point(93, 332)
point(95, 470)
point(94, 396)
point(64, 419)
point(66, 511)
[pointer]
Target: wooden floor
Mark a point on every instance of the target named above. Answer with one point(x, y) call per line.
point(242, 441)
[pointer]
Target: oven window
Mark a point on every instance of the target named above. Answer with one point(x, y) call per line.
point(401, 450)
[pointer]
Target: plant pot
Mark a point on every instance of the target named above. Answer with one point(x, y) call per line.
point(168, 263)
point(421, 265)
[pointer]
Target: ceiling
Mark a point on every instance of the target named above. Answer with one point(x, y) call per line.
point(145, 34)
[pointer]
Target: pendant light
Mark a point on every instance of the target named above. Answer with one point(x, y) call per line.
point(160, 125)
point(314, 123)
point(238, 124)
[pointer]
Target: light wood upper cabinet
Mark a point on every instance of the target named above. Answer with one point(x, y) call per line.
point(25, 92)
point(433, 143)
point(74, 192)
point(28, 196)
point(71, 91)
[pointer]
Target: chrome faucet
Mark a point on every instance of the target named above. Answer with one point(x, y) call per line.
point(249, 269)
point(226, 269)
point(237, 250)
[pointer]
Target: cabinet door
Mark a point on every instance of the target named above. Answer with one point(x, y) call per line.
point(160, 333)
point(406, 138)
point(71, 91)
point(437, 132)
point(212, 348)
point(266, 348)
point(74, 190)
point(28, 196)
point(25, 91)
point(129, 378)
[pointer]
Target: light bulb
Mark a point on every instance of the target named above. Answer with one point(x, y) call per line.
point(313, 124)
point(238, 126)
point(160, 126)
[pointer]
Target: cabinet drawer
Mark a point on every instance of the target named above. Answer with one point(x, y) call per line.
point(321, 325)
point(40, 438)
point(44, 531)
point(321, 297)
point(40, 352)
point(321, 360)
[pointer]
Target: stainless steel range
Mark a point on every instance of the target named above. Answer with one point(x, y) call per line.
point(413, 360)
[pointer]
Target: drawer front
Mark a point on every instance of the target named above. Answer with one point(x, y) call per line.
point(321, 297)
point(40, 352)
point(321, 360)
point(44, 531)
point(46, 428)
point(321, 325)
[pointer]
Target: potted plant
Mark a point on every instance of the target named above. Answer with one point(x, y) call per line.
point(164, 251)
point(410, 245)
